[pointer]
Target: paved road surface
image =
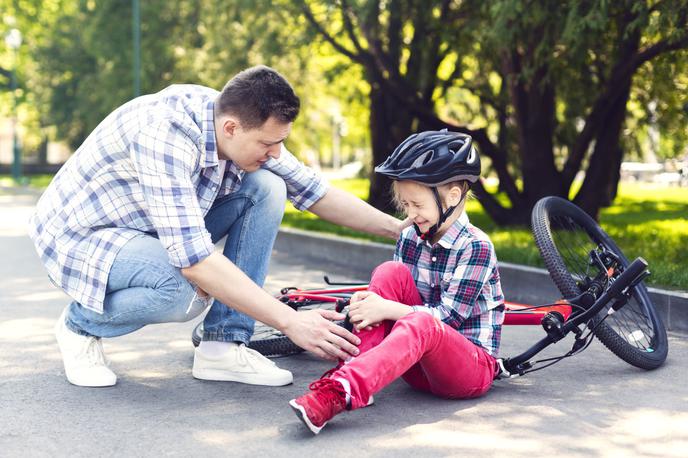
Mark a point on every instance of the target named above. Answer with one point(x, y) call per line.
point(591, 405)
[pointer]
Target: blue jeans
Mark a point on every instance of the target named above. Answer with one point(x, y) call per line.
point(144, 288)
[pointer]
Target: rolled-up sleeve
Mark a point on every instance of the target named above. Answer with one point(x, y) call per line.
point(304, 186)
point(165, 159)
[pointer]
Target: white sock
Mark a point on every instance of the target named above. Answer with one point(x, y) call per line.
point(347, 387)
point(214, 348)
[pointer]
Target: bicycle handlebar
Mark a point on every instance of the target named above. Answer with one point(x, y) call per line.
point(626, 279)
point(629, 277)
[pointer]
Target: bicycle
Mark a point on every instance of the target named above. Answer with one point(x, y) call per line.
point(604, 296)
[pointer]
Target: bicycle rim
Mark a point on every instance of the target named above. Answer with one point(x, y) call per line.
point(565, 235)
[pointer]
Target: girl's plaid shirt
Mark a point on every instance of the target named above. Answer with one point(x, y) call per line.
point(458, 280)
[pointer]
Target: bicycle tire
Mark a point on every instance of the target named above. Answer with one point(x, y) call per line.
point(565, 234)
point(267, 340)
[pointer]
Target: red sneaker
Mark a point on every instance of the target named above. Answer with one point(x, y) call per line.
point(328, 374)
point(326, 399)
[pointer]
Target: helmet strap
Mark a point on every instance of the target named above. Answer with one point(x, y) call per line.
point(443, 216)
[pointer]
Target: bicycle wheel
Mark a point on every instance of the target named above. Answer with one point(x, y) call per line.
point(267, 340)
point(565, 235)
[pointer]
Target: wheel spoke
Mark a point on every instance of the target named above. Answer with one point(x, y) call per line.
point(574, 245)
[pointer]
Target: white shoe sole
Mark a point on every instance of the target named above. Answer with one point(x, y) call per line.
point(217, 375)
point(301, 413)
point(90, 384)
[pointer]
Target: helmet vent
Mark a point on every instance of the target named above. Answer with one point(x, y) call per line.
point(471, 156)
point(423, 159)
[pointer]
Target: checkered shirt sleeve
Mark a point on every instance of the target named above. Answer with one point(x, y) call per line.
point(304, 186)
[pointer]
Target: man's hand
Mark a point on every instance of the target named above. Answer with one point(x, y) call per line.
point(403, 225)
point(218, 277)
point(368, 309)
point(312, 330)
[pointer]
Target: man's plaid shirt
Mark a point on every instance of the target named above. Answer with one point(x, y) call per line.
point(151, 167)
point(458, 280)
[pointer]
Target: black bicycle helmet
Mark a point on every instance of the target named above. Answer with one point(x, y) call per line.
point(434, 158)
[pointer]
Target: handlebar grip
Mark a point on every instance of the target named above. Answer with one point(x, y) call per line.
point(340, 304)
point(631, 272)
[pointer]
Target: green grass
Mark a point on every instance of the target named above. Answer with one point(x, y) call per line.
point(310, 222)
point(645, 220)
point(34, 181)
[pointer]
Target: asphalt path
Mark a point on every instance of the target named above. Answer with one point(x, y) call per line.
point(591, 405)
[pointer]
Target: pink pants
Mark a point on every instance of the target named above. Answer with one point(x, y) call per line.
point(428, 354)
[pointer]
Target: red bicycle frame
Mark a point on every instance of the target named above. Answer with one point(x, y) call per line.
point(516, 314)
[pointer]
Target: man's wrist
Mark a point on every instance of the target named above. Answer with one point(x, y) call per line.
point(283, 321)
point(394, 227)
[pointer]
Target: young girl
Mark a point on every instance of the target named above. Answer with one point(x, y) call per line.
point(433, 315)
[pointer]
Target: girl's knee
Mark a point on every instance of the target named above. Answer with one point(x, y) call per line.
point(391, 274)
point(394, 268)
point(420, 322)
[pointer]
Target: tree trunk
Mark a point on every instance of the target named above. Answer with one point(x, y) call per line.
point(602, 177)
point(390, 124)
point(43, 151)
point(535, 116)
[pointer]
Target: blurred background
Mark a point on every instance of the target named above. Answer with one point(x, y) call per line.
point(583, 99)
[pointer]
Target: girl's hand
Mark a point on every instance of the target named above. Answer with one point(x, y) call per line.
point(368, 309)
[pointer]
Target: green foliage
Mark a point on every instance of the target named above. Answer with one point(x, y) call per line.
point(76, 60)
point(76, 63)
point(37, 182)
point(86, 61)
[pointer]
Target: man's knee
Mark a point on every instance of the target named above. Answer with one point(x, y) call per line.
point(268, 185)
point(176, 295)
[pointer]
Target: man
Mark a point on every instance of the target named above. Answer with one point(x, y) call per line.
point(127, 227)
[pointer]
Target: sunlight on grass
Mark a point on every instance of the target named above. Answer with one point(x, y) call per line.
point(645, 220)
point(34, 181)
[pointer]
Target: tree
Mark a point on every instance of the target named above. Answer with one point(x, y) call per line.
point(82, 62)
point(84, 59)
point(547, 83)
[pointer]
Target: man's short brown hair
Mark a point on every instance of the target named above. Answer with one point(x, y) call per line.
point(256, 94)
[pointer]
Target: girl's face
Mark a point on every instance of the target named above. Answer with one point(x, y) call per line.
point(418, 204)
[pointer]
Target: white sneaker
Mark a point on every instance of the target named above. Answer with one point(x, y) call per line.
point(83, 357)
point(239, 364)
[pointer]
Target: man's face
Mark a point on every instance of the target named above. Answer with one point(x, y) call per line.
point(250, 149)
